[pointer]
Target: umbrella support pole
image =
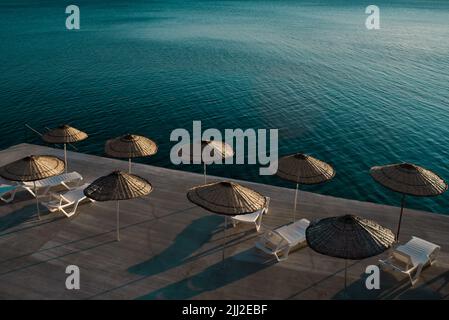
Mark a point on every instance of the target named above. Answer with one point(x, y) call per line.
point(37, 201)
point(118, 221)
point(294, 205)
point(65, 156)
point(224, 239)
point(345, 292)
point(129, 165)
point(400, 216)
point(205, 177)
point(346, 273)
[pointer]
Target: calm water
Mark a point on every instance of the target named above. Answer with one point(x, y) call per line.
point(353, 97)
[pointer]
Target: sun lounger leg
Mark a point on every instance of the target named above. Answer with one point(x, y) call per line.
point(258, 223)
point(282, 255)
point(71, 213)
point(11, 197)
point(30, 191)
point(415, 279)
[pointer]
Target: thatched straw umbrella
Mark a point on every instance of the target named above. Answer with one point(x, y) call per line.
point(408, 179)
point(303, 169)
point(348, 237)
point(228, 199)
point(118, 186)
point(216, 151)
point(33, 168)
point(64, 134)
point(130, 146)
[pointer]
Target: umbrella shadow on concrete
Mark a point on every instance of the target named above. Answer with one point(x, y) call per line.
point(57, 257)
point(63, 220)
point(235, 239)
point(191, 239)
point(392, 286)
point(25, 215)
point(216, 276)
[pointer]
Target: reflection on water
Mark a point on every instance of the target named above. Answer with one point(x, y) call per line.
point(352, 97)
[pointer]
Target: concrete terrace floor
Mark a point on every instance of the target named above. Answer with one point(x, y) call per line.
point(171, 249)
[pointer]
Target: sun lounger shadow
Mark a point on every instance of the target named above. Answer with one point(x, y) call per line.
point(358, 290)
point(233, 268)
point(422, 289)
point(192, 238)
point(47, 260)
point(440, 282)
point(391, 287)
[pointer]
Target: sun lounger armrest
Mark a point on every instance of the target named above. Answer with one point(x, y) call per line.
point(402, 257)
point(281, 244)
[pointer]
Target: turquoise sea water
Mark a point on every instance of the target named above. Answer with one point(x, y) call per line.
point(352, 97)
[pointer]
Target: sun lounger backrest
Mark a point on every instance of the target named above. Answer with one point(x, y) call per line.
point(66, 177)
point(295, 232)
point(4, 188)
point(263, 210)
point(54, 181)
point(303, 223)
point(423, 245)
point(418, 250)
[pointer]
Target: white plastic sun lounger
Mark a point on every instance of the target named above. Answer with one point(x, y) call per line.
point(7, 192)
point(62, 179)
point(281, 241)
point(252, 218)
point(412, 257)
point(62, 202)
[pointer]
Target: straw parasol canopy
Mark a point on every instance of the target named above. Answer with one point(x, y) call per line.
point(408, 179)
point(64, 134)
point(130, 146)
point(303, 169)
point(214, 149)
point(348, 237)
point(228, 199)
point(118, 186)
point(33, 168)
